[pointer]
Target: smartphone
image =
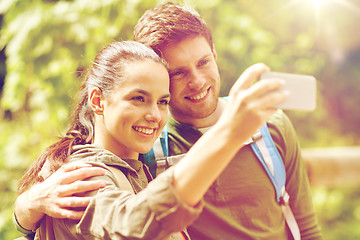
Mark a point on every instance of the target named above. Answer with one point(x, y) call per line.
point(302, 89)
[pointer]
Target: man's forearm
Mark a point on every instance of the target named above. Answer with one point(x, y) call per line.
point(26, 212)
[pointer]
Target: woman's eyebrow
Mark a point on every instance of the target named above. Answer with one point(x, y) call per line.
point(146, 93)
point(166, 96)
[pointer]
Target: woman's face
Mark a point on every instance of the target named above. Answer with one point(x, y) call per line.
point(136, 111)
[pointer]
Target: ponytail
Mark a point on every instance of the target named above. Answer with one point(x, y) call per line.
point(80, 132)
point(106, 71)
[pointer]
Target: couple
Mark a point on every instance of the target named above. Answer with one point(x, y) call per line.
point(218, 189)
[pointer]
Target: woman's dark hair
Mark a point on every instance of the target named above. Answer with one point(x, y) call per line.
point(106, 71)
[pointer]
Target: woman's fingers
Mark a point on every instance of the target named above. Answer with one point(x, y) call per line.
point(267, 93)
point(252, 105)
point(249, 76)
point(261, 88)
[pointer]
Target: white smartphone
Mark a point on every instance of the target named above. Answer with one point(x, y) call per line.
point(302, 89)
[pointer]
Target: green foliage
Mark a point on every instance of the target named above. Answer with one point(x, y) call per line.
point(49, 45)
point(338, 211)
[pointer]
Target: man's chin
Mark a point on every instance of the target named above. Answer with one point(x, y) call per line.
point(198, 113)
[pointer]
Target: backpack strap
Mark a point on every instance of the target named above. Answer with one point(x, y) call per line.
point(123, 182)
point(155, 159)
point(160, 146)
point(267, 153)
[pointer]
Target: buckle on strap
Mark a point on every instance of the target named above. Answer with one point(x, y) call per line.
point(284, 199)
point(257, 136)
point(162, 163)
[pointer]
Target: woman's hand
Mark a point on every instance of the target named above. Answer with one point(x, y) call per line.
point(250, 104)
point(54, 196)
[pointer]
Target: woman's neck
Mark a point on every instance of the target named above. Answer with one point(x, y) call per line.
point(113, 146)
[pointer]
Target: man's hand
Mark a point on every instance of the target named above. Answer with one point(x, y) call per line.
point(54, 196)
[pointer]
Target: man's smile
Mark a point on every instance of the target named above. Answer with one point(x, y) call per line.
point(199, 96)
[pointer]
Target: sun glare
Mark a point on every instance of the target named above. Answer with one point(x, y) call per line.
point(317, 3)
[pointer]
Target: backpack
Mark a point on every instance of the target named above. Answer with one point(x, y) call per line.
point(158, 160)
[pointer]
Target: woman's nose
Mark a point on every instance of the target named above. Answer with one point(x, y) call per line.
point(153, 114)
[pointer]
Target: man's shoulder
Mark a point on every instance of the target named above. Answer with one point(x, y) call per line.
point(283, 133)
point(280, 122)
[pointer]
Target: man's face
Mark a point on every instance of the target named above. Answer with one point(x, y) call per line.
point(194, 79)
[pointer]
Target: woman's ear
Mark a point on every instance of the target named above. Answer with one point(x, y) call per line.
point(96, 101)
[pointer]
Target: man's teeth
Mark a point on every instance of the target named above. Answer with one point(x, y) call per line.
point(200, 96)
point(144, 130)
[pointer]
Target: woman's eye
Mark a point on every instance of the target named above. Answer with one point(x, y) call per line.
point(164, 102)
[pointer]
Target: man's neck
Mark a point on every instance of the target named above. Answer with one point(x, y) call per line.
point(207, 121)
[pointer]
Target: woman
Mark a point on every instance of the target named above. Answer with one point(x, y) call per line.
point(121, 111)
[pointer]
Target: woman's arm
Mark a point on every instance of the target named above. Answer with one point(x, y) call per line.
point(248, 108)
point(54, 195)
point(169, 202)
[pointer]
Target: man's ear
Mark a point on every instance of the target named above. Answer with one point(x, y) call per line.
point(214, 52)
point(96, 101)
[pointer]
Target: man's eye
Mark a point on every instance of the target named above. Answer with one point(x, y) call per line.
point(203, 62)
point(176, 74)
point(138, 98)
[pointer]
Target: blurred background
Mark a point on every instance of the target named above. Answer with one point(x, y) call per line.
point(46, 45)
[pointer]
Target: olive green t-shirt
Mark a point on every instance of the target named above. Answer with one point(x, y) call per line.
point(241, 203)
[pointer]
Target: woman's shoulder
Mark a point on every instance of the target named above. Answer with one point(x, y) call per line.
point(96, 155)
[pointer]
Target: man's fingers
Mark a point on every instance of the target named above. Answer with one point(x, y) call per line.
point(82, 173)
point(66, 213)
point(80, 187)
point(74, 165)
point(74, 202)
point(75, 215)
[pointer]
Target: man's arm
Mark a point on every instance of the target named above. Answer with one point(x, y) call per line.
point(54, 196)
point(297, 183)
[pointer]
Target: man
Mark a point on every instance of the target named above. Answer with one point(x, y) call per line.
point(241, 204)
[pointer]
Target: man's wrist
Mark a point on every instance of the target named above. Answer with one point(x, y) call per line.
point(21, 228)
point(28, 212)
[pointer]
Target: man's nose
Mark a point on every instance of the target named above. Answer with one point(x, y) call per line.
point(197, 80)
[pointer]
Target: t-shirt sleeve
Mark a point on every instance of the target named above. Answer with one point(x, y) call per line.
point(297, 182)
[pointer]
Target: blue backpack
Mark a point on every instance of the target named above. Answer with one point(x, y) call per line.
point(262, 144)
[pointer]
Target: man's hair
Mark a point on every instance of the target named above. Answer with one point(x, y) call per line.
point(168, 24)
